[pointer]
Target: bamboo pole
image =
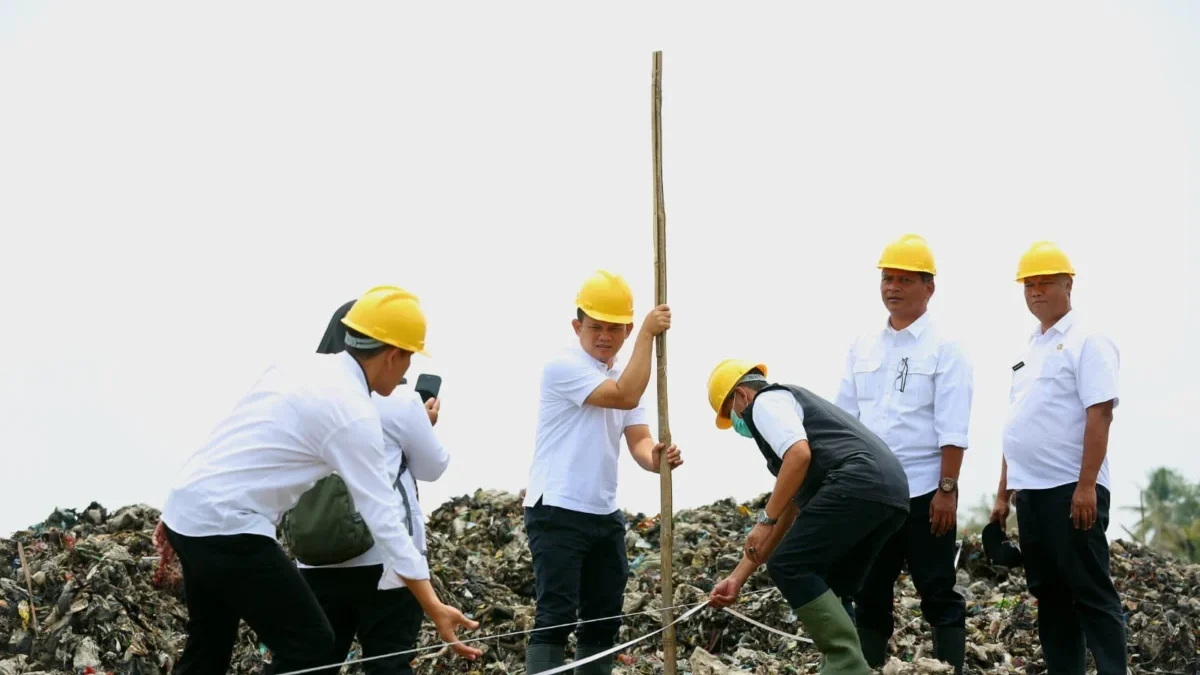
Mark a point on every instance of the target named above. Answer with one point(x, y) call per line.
point(666, 510)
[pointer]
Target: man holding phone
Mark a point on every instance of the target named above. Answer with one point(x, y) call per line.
point(576, 531)
point(302, 421)
point(385, 617)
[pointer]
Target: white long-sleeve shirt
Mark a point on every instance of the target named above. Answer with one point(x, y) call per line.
point(1061, 374)
point(932, 411)
point(407, 435)
point(301, 421)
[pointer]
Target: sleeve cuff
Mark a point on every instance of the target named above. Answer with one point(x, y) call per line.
point(1093, 400)
point(788, 445)
point(411, 569)
point(957, 440)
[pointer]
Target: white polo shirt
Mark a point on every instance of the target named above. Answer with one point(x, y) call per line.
point(301, 421)
point(932, 411)
point(407, 435)
point(577, 446)
point(1062, 373)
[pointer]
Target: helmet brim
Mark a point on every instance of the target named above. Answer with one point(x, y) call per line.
point(907, 268)
point(609, 318)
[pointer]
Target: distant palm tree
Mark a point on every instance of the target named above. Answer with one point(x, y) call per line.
point(1168, 515)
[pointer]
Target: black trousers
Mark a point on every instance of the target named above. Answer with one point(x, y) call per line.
point(1067, 571)
point(931, 564)
point(245, 576)
point(830, 546)
point(579, 573)
point(385, 621)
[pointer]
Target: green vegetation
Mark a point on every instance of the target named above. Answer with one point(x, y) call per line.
point(1168, 515)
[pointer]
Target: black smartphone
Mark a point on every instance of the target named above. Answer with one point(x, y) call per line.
point(428, 386)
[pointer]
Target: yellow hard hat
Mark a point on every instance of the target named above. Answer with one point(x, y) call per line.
point(1044, 257)
point(391, 315)
point(721, 381)
point(909, 252)
point(606, 297)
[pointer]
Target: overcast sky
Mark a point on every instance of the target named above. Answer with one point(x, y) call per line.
point(189, 192)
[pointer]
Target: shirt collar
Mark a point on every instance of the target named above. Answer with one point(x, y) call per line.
point(354, 369)
point(600, 365)
point(1062, 326)
point(916, 328)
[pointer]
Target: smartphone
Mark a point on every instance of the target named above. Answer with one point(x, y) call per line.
point(428, 386)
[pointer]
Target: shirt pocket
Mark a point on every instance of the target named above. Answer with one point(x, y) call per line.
point(866, 378)
point(918, 384)
point(1056, 366)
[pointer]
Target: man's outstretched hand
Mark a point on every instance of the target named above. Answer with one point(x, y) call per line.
point(447, 620)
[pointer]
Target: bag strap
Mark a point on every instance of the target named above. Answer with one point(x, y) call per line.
point(404, 495)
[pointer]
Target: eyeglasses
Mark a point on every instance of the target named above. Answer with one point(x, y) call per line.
point(901, 374)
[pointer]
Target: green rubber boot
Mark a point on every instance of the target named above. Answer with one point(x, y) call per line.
point(874, 646)
point(544, 657)
point(831, 629)
point(601, 666)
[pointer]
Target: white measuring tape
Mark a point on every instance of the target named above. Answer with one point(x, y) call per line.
point(765, 627)
point(695, 607)
point(613, 650)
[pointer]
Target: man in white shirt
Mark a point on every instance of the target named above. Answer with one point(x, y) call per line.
point(1064, 390)
point(839, 494)
point(301, 421)
point(576, 530)
point(385, 616)
point(912, 386)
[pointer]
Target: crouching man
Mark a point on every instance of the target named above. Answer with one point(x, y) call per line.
point(852, 489)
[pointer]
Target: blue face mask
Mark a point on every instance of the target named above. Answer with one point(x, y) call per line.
point(740, 426)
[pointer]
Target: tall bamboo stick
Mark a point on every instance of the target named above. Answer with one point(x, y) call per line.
point(666, 510)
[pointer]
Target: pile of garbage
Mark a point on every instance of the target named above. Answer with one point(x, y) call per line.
point(103, 605)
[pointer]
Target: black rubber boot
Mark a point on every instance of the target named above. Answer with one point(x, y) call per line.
point(950, 645)
point(601, 666)
point(874, 646)
point(544, 657)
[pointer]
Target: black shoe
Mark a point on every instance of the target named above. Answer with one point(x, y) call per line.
point(544, 657)
point(950, 645)
point(874, 646)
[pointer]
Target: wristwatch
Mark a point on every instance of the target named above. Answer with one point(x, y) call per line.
point(763, 519)
point(948, 485)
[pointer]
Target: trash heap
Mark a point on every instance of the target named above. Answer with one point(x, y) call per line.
point(104, 606)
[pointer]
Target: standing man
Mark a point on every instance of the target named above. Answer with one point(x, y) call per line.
point(300, 421)
point(1064, 390)
point(839, 495)
point(912, 386)
point(576, 531)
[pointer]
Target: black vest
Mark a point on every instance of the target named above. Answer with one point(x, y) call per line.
point(846, 455)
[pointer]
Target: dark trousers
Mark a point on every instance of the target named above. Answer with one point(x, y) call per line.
point(385, 621)
point(830, 546)
point(579, 573)
point(1067, 571)
point(931, 564)
point(245, 576)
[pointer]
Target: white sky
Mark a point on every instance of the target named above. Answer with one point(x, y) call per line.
point(189, 192)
